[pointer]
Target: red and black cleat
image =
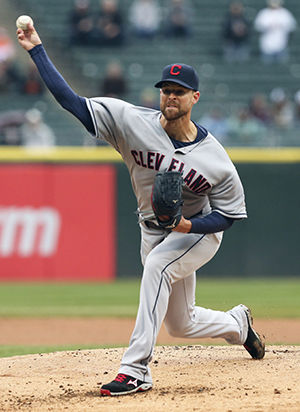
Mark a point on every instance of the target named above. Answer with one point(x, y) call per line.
point(124, 385)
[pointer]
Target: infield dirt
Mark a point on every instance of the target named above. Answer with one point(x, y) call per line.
point(188, 378)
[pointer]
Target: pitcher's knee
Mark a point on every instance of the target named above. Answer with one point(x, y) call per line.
point(155, 260)
point(154, 266)
point(176, 330)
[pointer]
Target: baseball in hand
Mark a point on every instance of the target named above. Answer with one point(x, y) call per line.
point(23, 21)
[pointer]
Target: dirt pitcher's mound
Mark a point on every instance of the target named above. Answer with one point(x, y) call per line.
point(189, 378)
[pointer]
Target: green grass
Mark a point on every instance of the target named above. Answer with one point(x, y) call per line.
point(269, 298)
point(69, 299)
point(19, 350)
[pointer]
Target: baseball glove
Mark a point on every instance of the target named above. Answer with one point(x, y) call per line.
point(166, 199)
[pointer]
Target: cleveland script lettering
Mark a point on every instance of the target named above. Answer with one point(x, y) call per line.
point(192, 178)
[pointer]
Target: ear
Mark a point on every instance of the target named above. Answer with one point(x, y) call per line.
point(196, 97)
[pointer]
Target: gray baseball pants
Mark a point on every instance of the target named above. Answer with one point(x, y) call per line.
point(167, 294)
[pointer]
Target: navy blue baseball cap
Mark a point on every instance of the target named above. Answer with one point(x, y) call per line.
point(181, 74)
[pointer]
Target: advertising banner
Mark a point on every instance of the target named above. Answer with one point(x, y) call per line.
point(57, 222)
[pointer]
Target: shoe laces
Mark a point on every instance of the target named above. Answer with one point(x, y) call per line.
point(121, 377)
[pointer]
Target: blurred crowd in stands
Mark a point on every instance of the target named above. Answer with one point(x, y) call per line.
point(25, 128)
point(274, 24)
point(265, 120)
point(148, 20)
point(19, 127)
point(145, 19)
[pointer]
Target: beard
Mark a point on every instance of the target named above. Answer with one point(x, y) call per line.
point(172, 113)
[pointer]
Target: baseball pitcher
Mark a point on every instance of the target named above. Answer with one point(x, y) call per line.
point(188, 192)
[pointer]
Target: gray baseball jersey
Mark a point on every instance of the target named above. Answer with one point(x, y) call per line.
point(211, 180)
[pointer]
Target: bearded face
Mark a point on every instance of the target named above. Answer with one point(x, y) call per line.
point(176, 101)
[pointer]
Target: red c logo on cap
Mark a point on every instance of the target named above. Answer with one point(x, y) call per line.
point(173, 72)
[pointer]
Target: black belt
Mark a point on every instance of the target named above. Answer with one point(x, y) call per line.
point(152, 225)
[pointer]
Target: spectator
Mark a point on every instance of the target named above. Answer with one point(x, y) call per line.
point(179, 16)
point(245, 130)
point(10, 78)
point(9, 74)
point(274, 23)
point(236, 34)
point(7, 48)
point(144, 17)
point(260, 109)
point(10, 126)
point(109, 24)
point(114, 83)
point(216, 123)
point(32, 83)
point(81, 23)
point(282, 109)
point(35, 132)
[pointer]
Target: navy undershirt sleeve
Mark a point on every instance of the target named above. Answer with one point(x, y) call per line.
point(212, 223)
point(60, 89)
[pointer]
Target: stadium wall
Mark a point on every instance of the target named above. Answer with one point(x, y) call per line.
point(90, 188)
